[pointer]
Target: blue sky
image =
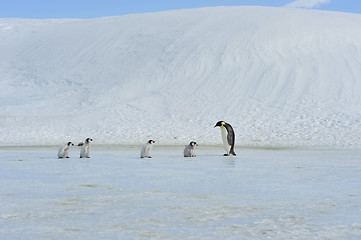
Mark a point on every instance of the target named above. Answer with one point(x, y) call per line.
point(100, 8)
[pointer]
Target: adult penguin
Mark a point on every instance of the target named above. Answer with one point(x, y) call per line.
point(228, 137)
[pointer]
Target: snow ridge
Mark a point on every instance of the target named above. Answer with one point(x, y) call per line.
point(280, 76)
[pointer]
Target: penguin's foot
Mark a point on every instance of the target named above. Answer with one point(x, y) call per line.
point(67, 157)
point(225, 154)
point(149, 157)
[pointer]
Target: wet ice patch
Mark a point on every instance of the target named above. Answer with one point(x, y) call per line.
point(283, 194)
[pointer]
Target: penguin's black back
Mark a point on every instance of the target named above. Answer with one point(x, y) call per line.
point(230, 137)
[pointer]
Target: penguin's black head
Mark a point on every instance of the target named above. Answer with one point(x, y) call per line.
point(70, 144)
point(219, 124)
point(193, 144)
point(151, 141)
point(88, 140)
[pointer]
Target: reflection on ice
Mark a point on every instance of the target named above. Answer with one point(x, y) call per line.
point(116, 195)
point(229, 161)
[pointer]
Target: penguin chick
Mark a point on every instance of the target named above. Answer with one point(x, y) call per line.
point(85, 148)
point(146, 148)
point(63, 151)
point(189, 150)
point(228, 137)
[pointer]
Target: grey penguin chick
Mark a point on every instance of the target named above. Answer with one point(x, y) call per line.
point(146, 148)
point(189, 150)
point(85, 148)
point(63, 151)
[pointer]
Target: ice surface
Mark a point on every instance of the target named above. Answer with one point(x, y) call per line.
point(260, 194)
point(280, 76)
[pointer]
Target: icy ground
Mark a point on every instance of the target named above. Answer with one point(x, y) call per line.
point(260, 194)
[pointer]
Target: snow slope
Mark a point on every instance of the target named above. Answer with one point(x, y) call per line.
point(280, 76)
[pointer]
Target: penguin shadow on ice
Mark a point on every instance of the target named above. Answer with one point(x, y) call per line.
point(228, 137)
point(146, 149)
point(189, 150)
point(63, 151)
point(85, 148)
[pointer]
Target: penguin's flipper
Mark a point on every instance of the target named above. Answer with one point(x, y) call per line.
point(230, 136)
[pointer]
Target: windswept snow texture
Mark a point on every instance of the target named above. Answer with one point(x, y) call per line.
point(280, 76)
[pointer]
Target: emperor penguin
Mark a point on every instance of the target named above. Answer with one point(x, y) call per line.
point(85, 148)
point(189, 150)
point(146, 148)
point(228, 137)
point(63, 151)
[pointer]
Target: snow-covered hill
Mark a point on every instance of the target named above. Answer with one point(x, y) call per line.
point(280, 76)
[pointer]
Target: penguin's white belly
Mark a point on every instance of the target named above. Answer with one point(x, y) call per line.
point(145, 152)
point(224, 132)
point(189, 151)
point(63, 152)
point(84, 151)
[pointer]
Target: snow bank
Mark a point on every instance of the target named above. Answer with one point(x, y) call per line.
point(280, 76)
